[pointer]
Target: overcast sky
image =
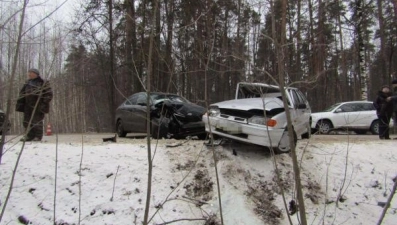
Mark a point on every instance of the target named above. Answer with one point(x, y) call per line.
point(40, 8)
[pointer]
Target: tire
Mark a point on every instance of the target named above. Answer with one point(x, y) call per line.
point(361, 132)
point(375, 127)
point(120, 129)
point(324, 126)
point(213, 135)
point(158, 130)
point(202, 136)
point(309, 132)
point(283, 146)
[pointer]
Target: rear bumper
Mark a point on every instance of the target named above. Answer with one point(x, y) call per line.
point(248, 133)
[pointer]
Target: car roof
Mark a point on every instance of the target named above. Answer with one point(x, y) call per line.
point(155, 92)
point(274, 87)
point(362, 101)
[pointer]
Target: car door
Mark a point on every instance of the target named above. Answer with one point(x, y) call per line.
point(358, 115)
point(126, 111)
point(343, 115)
point(139, 114)
point(305, 111)
point(301, 111)
point(366, 116)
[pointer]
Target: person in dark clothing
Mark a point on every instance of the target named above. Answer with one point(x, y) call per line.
point(34, 101)
point(384, 110)
point(394, 100)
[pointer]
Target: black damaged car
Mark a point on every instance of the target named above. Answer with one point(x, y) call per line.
point(171, 115)
point(2, 119)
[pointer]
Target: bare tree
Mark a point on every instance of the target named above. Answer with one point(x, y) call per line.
point(279, 47)
point(11, 84)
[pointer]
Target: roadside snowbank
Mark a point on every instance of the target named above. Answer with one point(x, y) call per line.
point(113, 180)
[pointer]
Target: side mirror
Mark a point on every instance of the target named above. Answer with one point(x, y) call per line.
point(302, 106)
point(338, 110)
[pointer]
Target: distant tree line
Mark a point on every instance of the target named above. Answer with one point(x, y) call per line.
point(336, 50)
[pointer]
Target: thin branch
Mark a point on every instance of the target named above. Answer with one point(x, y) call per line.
point(114, 182)
point(178, 220)
point(392, 193)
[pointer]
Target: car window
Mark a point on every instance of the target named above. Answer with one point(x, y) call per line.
point(347, 108)
point(176, 98)
point(141, 99)
point(131, 100)
point(367, 107)
point(332, 107)
point(295, 97)
point(301, 96)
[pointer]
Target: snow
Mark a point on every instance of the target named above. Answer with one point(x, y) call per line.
point(113, 180)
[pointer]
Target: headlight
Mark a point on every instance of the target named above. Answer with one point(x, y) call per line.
point(262, 121)
point(258, 120)
point(214, 112)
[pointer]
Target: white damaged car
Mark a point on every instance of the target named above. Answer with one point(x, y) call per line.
point(257, 116)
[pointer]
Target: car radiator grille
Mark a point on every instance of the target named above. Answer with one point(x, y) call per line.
point(240, 113)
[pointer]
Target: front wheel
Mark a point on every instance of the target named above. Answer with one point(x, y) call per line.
point(120, 130)
point(284, 145)
point(159, 129)
point(202, 136)
point(324, 126)
point(361, 132)
point(375, 127)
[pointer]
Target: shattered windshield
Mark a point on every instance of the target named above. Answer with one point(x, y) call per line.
point(161, 97)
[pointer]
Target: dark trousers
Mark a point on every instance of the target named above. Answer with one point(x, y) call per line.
point(36, 126)
point(384, 121)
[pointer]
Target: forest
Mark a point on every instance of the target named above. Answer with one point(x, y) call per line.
point(99, 52)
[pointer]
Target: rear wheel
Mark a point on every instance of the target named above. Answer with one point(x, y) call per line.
point(202, 136)
point(284, 145)
point(375, 127)
point(120, 130)
point(324, 126)
point(360, 131)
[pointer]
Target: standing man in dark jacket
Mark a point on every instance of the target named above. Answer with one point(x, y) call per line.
point(384, 110)
point(34, 101)
point(394, 100)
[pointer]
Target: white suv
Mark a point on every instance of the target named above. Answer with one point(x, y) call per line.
point(257, 116)
point(357, 116)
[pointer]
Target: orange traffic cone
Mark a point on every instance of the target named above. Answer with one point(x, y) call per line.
point(49, 131)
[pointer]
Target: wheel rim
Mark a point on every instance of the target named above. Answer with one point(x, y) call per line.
point(376, 128)
point(324, 127)
point(120, 130)
point(284, 146)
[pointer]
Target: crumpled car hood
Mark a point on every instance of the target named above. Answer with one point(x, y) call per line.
point(251, 103)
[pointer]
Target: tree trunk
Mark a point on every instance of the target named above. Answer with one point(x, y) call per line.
point(280, 45)
point(11, 84)
point(112, 77)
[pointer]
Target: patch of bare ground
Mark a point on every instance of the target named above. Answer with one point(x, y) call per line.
point(259, 189)
point(262, 194)
point(212, 220)
point(201, 187)
point(313, 191)
point(186, 166)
